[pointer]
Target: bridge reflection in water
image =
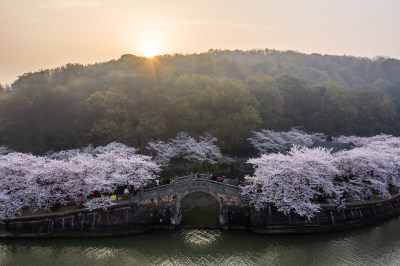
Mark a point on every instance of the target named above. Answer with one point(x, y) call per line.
point(199, 209)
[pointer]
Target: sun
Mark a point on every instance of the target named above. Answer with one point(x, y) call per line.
point(150, 51)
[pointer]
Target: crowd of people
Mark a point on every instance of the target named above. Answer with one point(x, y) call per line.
point(222, 179)
point(160, 181)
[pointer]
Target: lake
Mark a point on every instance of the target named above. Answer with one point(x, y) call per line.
point(372, 245)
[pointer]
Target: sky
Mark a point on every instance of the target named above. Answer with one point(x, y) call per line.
point(41, 34)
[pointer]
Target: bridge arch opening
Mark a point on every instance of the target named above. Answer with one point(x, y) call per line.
point(199, 210)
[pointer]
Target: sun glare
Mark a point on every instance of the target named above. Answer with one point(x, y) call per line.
point(150, 51)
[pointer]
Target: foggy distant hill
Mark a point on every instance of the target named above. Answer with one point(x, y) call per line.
point(380, 73)
point(225, 93)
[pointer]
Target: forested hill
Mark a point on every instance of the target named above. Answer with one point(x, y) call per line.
point(226, 93)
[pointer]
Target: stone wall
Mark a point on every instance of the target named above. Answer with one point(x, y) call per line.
point(121, 220)
point(269, 221)
point(162, 213)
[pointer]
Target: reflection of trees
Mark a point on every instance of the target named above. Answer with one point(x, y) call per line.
point(370, 245)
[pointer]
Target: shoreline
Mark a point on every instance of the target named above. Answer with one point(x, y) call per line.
point(128, 218)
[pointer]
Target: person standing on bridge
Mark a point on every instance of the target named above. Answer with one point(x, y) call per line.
point(126, 192)
point(196, 175)
point(213, 177)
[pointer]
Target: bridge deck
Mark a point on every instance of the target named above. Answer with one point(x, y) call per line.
point(189, 183)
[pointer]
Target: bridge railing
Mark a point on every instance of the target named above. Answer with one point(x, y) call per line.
point(188, 183)
point(192, 176)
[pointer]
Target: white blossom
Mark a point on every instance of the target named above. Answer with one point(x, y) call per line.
point(102, 202)
point(373, 167)
point(185, 146)
point(361, 141)
point(267, 141)
point(164, 151)
point(34, 182)
point(113, 147)
point(291, 181)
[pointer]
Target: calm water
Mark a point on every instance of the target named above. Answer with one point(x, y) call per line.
point(374, 245)
point(199, 208)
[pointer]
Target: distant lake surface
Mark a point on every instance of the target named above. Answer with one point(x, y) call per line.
point(372, 245)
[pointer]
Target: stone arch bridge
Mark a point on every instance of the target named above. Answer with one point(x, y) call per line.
point(227, 194)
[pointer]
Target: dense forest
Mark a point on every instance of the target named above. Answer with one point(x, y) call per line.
point(228, 94)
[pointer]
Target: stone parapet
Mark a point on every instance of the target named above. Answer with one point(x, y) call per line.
point(163, 212)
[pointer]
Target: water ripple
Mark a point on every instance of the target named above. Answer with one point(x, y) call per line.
point(376, 245)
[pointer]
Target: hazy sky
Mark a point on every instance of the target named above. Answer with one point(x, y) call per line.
point(40, 34)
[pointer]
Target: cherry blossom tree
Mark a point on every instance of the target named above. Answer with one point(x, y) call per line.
point(48, 180)
point(106, 172)
point(135, 171)
point(9, 208)
point(113, 147)
point(34, 182)
point(361, 141)
point(186, 147)
point(267, 141)
point(14, 178)
point(372, 167)
point(165, 151)
point(291, 181)
point(20, 185)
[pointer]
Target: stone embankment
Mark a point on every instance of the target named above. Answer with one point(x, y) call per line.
point(329, 219)
point(159, 208)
